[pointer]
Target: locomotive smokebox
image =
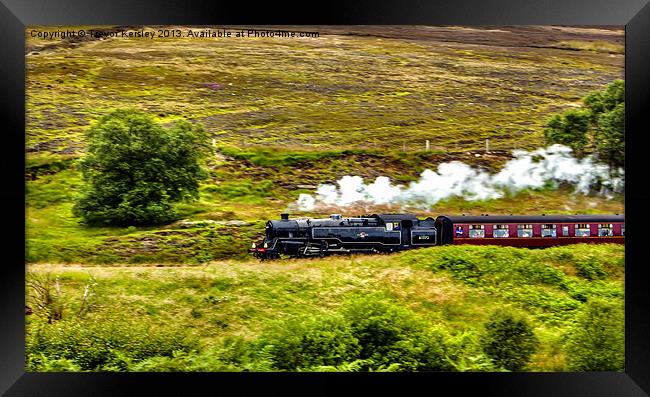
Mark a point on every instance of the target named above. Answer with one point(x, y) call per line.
point(284, 217)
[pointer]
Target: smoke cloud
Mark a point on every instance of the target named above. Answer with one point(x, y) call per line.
point(554, 164)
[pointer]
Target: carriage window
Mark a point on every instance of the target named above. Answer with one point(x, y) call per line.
point(583, 230)
point(565, 230)
point(524, 230)
point(605, 230)
point(622, 230)
point(549, 231)
point(459, 231)
point(477, 231)
point(500, 231)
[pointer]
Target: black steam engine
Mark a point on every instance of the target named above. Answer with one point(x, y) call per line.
point(319, 237)
point(395, 232)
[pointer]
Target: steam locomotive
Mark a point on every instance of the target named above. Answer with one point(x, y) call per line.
point(397, 232)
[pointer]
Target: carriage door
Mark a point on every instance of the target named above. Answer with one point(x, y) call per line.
point(406, 232)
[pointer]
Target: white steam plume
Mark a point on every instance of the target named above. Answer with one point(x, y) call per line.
point(534, 169)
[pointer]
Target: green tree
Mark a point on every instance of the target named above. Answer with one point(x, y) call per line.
point(610, 136)
point(596, 342)
point(135, 169)
point(598, 127)
point(570, 129)
point(509, 341)
point(599, 102)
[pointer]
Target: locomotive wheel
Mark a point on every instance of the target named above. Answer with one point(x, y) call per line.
point(270, 256)
point(323, 249)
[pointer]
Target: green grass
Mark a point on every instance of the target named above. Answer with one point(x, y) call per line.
point(226, 301)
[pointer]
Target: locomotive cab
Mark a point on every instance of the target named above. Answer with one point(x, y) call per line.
point(425, 233)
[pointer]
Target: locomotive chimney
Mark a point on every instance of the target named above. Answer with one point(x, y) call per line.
point(284, 217)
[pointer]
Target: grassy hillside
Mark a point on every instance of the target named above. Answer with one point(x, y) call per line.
point(225, 315)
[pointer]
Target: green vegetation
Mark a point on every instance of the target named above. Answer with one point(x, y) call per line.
point(403, 312)
point(599, 127)
point(570, 129)
point(283, 117)
point(597, 341)
point(509, 341)
point(135, 169)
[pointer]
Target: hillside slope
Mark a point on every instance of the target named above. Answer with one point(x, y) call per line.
point(206, 311)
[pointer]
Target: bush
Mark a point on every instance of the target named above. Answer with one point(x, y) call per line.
point(509, 341)
point(596, 341)
point(370, 334)
point(42, 363)
point(314, 341)
point(135, 169)
point(389, 333)
point(232, 354)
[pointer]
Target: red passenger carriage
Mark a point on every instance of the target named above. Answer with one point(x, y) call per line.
point(531, 230)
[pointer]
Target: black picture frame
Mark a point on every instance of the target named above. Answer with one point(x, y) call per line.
point(16, 14)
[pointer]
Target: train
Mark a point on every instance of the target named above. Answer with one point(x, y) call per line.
point(385, 233)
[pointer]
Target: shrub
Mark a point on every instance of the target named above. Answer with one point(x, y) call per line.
point(548, 305)
point(44, 296)
point(369, 334)
point(42, 363)
point(313, 341)
point(509, 341)
point(596, 341)
point(230, 354)
point(391, 334)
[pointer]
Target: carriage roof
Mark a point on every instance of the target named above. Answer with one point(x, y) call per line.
point(478, 219)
